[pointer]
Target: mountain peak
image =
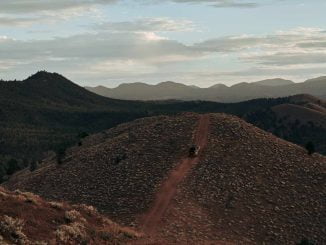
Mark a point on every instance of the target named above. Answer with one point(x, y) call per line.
point(218, 85)
point(274, 82)
point(45, 75)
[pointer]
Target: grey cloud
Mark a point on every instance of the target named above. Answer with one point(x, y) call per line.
point(281, 59)
point(222, 3)
point(12, 21)
point(147, 25)
point(94, 46)
point(32, 6)
point(321, 44)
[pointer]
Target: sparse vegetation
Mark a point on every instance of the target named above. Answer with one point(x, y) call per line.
point(50, 226)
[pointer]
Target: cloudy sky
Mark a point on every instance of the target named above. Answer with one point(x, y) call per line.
point(199, 42)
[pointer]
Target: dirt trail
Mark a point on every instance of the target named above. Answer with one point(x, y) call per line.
point(169, 187)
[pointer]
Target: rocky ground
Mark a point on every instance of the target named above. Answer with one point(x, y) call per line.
point(119, 170)
point(252, 188)
point(249, 187)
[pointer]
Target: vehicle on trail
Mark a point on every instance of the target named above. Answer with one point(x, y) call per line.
point(194, 151)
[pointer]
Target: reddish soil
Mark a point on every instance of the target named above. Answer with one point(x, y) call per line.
point(169, 186)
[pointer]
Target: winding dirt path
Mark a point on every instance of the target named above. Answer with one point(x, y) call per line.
point(169, 187)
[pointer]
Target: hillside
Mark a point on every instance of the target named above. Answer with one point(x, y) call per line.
point(300, 120)
point(270, 88)
point(25, 218)
point(46, 113)
point(46, 109)
point(247, 186)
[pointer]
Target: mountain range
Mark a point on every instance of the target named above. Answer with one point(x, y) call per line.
point(271, 88)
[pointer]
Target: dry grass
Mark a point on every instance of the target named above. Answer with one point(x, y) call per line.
point(90, 210)
point(27, 197)
point(57, 205)
point(73, 216)
point(72, 232)
point(12, 227)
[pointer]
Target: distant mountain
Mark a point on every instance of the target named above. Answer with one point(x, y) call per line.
point(271, 88)
point(242, 172)
point(274, 82)
point(139, 91)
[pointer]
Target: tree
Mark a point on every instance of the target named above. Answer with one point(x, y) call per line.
point(3, 172)
point(13, 166)
point(61, 153)
point(82, 135)
point(305, 242)
point(310, 148)
point(33, 166)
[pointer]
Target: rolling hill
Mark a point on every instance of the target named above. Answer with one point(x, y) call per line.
point(271, 88)
point(246, 187)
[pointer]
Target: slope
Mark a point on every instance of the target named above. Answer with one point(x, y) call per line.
point(25, 218)
point(247, 187)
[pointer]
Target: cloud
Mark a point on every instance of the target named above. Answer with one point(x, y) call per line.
point(18, 21)
point(29, 12)
point(147, 25)
point(34, 6)
point(212, 3)
point(281, 59)
point(222, 3)
point(297, 46)
point(144, 47)
point(139, 51)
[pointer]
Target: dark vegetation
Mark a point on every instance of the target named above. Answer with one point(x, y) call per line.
point(46, 112)
point(294, 131)
point(310, 148)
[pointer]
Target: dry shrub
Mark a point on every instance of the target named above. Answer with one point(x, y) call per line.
point(30, 197)
point(12, 228)
point(72, 232)
point(90, 210)
point(117, 230)
point(56, 205)
point(27, 197)
point(3, 194)
point(73, 216)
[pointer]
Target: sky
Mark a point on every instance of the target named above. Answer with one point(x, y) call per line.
point(195, 42)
